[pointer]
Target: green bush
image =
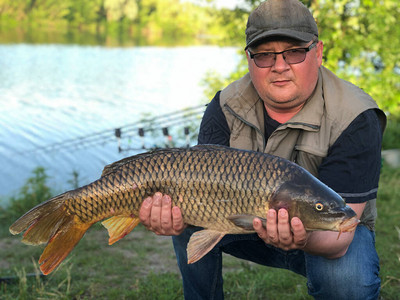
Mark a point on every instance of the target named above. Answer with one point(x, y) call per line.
point(33, 192)
point(391, 137)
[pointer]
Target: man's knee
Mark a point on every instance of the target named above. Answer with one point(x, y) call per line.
point(337, 285)
point(353, 276)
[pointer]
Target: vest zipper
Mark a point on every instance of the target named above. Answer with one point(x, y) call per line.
point(314, 127)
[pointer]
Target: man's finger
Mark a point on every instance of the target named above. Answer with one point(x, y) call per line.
point(166, 221)
point(177, 219)
point(145, 211)
point(285, 233)
point(272, 229)
point(299, 232)
point(156, 212)
point(257, 225)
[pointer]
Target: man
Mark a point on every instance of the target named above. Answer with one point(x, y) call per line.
point(291, 106)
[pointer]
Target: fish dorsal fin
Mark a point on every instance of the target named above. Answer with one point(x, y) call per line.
point(210, 147)
point(119, 226)
point(116, 165)
point(246, 221)
point(201, 242)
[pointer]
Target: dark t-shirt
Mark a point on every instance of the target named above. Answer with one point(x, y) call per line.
point(352, 165)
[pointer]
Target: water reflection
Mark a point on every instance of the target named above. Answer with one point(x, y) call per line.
point(51, 93)
point(116, 38)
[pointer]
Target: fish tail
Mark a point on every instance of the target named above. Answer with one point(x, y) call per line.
point(61, 244)
point(50, 223)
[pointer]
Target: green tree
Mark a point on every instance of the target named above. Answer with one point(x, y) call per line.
point(171, 18)
point(150, 20)
point(362, 45)
point(81, 13)
point(117, 10)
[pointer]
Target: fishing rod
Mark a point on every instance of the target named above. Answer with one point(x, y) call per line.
point(135, 131)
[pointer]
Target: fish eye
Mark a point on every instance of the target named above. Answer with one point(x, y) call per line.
point(319, 206)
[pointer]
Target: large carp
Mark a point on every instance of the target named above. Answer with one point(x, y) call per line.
point(218, 188)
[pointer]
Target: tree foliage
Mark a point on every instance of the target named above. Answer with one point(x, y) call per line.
point(147, 19)
point(361, 45)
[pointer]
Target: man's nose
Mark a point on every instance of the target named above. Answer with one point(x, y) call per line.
point(280, 63)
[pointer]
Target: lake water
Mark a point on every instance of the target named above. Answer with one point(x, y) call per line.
point(56, 94)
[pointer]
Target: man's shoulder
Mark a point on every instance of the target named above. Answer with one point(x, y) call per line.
point(240, 92)
point(340, 94)
point(344, 101)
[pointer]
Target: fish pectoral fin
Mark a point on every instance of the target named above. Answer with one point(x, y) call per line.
point(246, 221)
point(119, 226)
point(201, 242)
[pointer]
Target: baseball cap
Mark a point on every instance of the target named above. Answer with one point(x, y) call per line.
point(283, 18)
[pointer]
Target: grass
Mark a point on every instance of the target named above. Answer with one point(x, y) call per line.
point(388, 232)
point(143, 266)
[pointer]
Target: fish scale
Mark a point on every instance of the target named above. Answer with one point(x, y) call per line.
point(218, 188)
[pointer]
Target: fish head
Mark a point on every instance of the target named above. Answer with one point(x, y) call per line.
point(317, 205)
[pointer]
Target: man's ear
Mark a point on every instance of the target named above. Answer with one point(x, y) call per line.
point(320, 50)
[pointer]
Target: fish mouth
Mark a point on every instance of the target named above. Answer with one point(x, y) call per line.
point(348, 225)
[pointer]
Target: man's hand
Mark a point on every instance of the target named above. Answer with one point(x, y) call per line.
point(157, 215)
point(281, 232)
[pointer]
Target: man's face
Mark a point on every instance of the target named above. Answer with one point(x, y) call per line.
point(285, 87)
